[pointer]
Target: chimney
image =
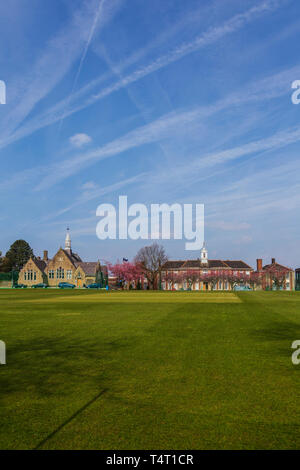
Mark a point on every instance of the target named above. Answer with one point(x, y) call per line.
point(273, 260)
point(45, 255)
point(259, 264)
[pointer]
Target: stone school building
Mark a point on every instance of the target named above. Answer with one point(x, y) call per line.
point(65, 266)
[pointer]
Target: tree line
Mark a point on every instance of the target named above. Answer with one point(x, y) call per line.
point(147, 264)
point(15, 258)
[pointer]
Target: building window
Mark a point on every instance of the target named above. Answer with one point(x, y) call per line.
point(60, 273)
point(69, 274)
point(34, 276)
point(25, 276)
point(51, 274)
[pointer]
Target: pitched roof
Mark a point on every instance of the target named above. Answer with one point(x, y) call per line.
point(73, 257)
point(280, 267)
point(192, 263)
point(76, 257)
point(40, 264)
point(89, 268)
point(212, 264)
point(216, 263)
point(173, 264)
point(237, 264)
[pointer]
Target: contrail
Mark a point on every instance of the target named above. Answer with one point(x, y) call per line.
point(61, 110)
point(92, 31)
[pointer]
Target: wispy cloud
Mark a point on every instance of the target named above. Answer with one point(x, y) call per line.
point(207, 38)
point(58, 56)
point(260, 192)
point(171, 124)
point(267, 88)
point(92, 191)
point(85, 51)
point(175, 123)
point(211, 36)
point(228, 226)
point(275, 142)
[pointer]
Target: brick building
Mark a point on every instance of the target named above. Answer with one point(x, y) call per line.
point(274, 276)
point(205, 274)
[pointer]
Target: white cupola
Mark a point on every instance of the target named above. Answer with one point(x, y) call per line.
point(203, 255)
point(68, 240)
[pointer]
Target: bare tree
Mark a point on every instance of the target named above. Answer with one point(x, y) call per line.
point(151, 259)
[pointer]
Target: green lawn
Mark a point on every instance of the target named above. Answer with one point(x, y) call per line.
point(146, 370)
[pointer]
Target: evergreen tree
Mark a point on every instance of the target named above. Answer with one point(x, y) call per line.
point(18, 254)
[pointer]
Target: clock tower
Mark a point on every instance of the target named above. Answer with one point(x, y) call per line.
point(204, 255)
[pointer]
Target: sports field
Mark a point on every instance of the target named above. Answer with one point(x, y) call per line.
point(149, 370)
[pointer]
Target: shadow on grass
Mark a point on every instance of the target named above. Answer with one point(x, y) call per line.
point(51, 366)
point(281, 336)
point(84, 407)
point(279, 331)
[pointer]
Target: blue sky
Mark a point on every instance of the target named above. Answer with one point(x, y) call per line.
point(162, 101)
